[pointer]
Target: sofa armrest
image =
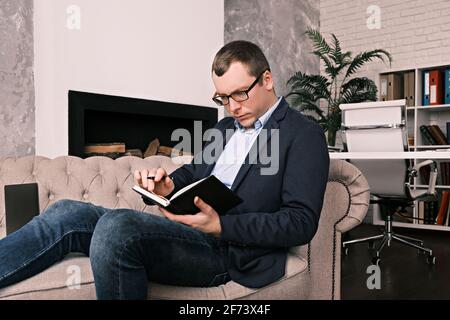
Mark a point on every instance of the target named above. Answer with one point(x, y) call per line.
point(346, 203)
point(358, 190)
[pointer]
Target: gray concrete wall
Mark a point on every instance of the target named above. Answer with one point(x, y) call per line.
point(17, 125)
point(278, 27)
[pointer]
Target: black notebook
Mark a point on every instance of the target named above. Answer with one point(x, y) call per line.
point(210, 189)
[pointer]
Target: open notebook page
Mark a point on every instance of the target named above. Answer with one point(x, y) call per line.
point(186, 188)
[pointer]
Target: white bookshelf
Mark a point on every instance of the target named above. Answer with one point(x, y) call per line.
point(416, 116)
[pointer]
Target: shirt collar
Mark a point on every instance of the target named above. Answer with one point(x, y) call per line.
point(261, 121)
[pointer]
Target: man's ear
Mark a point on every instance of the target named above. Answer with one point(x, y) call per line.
point(268, 81)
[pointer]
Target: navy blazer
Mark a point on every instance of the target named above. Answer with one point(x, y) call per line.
point(279, 211)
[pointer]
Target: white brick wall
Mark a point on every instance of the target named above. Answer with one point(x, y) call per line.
point(415, 32)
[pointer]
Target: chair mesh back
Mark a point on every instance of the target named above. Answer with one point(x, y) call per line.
point(386, 177)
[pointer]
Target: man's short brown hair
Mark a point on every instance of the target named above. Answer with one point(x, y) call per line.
point(242, 51)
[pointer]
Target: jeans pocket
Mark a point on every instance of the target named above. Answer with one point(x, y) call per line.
point(219, 279)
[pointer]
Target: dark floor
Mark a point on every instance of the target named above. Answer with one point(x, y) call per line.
point(404, 273)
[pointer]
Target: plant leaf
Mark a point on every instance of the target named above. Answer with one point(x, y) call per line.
point(336, 51)
point(364, 57)
point(316, 85)
point(319, 42)
point(358, 90)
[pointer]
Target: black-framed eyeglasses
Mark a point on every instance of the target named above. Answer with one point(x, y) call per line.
point(238, 96)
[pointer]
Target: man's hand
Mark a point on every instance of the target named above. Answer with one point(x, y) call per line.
point(161, 185)
point(207, 220)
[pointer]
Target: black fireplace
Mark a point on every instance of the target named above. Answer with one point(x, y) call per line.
point(98, 118)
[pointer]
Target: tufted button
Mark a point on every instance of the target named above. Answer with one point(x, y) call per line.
point(51, 196)
point(33, 173)
point(118, 194)
point(85, 195)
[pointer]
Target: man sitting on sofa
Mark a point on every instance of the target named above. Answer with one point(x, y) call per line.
point(248, 244)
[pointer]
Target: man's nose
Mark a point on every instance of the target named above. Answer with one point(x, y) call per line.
point(234, 106)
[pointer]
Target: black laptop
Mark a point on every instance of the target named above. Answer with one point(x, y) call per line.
point(21, 205)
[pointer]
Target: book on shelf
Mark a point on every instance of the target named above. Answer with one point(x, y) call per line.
point(395, 86)
point(406, 88)
point(420, 211)
point(383, 87)
point(412, 88)
point(391, 87)
point(443, 208)
point(436, 87)
point(437, 134)
point(444, 174)
point(428, 138)
point(447, 86)
point(448, 132)
point(430, 212)
point(433, 135)
point(426, 214)
point(424, 173)
point(426, 88)
point(446, 223)
point(210, 189)
point(409, 88)
point(446, 181)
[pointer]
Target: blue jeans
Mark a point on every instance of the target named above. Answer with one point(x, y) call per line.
point(127, 249)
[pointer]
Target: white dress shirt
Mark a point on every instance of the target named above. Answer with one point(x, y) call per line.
point(237, 148)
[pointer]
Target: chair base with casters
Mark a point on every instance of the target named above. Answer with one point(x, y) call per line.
point(389, 235)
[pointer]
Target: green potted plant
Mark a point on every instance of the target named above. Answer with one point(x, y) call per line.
point(335, 86)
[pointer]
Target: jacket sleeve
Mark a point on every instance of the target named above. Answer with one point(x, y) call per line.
point(304, 182)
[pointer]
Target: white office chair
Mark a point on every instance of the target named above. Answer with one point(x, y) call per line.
point(381, 127)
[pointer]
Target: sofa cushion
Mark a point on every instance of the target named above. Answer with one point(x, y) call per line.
point(55, 283)
point(294, 285)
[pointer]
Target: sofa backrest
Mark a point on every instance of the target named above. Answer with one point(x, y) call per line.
point(99, 180)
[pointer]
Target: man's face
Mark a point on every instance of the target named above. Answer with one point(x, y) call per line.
point(260, 97)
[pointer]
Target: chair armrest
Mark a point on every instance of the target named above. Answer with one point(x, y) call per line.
point(413, 172)
point(417, 167)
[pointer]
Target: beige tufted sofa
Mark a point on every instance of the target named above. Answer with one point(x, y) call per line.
point(312, 271)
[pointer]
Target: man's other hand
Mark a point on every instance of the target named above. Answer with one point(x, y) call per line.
point(207, 220)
